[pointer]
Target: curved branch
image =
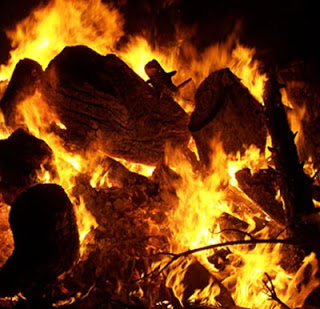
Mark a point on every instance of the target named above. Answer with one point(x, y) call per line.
point(175, 256)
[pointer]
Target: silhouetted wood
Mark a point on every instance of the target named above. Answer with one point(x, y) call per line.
point(197, 278)
point(22, 156)
point(101, 100)
point(161, 80)
point(295, 186)
point(305, 100)
point(261, 187)
point(25, 79)
point(226, 110)
point(46, 240)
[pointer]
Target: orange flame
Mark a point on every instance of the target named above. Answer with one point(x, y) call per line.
point(48, 29)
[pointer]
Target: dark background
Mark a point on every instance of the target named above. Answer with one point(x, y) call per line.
point(282, 31)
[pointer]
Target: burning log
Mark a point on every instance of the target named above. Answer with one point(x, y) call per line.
point(25, 80)
point(100, 99)
point(22, 156)
point(295, 186)
point(46, 240)
point(196, 278)
point(305, 100)
point(261, 187)
point(161, 80)
point(225, 109)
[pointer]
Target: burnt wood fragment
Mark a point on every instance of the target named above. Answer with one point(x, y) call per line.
point(46, 240)
point(295, 186)
point(22, 156)
point(262, 187)
point(103, 102)
point(226, 110)
point(230, 226)
point(161, 80)
point(25, 80)
point(305, 100)
point(197, 278)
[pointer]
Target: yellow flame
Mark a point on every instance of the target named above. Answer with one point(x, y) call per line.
point(48, 29)
point(38, 116)
point(195, 223)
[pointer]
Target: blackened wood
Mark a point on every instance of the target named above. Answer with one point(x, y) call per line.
point(261, 187)
point(228, 224)
point(25, 79)
point(161, 80)
point(102, 101)
point(226, 110)
point(21, 158)
point(197, 278)
point(295, 186)
point(304, 97)
point(46, 240)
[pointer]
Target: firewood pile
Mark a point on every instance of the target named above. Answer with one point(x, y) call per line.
point(103, 103)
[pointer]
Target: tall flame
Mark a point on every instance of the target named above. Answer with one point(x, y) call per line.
point(48, 29)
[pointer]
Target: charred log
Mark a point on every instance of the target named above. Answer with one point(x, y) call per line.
point(230, 226)
point(226, 110)
point(197, 277)
point(21, 158)
point(25, 79)
point(161, 80)
point(100, 99)
point(295, 186)
point(261, 187)
point(46, 240)
point(305, 100)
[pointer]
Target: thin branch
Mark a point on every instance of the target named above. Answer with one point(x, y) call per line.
point(176, 256)
point(272, 291)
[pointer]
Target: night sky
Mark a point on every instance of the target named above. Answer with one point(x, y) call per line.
point(282, 31)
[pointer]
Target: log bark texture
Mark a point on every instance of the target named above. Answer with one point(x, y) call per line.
point(304, 96)
point(100, 99)
point(262, 187)
point(226, 110)
point(103, 103)
point(295, 186)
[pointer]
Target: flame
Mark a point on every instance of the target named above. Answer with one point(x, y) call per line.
point(184, 58)
point(195, 224)
point(203, 200)
point(38, 116)
point(142, 169)
point(48, 29)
